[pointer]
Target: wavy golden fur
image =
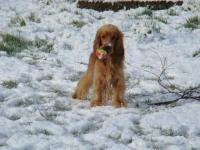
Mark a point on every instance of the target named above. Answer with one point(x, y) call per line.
point(105, 76)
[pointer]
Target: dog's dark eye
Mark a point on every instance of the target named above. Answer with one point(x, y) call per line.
point(114, 37)
point(103, 36)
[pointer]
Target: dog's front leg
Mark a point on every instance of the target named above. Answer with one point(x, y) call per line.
point(99, 84)
point(86, 80)
point(118, 88)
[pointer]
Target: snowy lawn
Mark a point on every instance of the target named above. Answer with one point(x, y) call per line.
point(48, 44)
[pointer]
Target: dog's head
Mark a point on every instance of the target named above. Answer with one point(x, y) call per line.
point(110, 38)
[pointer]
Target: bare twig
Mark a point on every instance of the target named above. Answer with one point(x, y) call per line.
point(82, 63)
point(163, 81)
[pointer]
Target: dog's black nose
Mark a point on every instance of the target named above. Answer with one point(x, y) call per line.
point(107, 48)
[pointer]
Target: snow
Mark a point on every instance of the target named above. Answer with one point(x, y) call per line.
point(39, 113)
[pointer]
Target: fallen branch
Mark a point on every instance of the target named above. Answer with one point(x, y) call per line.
point(167, 86)
point(82, 63)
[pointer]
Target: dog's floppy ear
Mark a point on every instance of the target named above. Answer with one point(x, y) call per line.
point(97, 41)
point(119, 48)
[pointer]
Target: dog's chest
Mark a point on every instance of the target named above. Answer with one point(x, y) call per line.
point(110, 71)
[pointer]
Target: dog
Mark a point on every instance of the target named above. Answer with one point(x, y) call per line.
point(105, 75)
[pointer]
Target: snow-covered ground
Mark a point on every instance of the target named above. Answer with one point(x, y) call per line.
point(36, 108)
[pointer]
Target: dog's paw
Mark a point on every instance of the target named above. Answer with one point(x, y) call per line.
point(119, 103)
point(74, 95)
point(77, 96)
point(95, 103)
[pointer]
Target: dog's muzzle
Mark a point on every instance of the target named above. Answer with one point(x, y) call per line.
point(108, 48)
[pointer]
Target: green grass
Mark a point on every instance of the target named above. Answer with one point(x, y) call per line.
point(168, 132)
point(146, 11)
point(172, 12)
point(138, 130)
point(22, 23)
point(17, 21)
point(13, 44)
point(196, 53)
point(48, 2)
point(14, 117)
point(161, 19)
point(78, 24)
point(193, 22)
point(43, 45)
point(40, 131)
point(45, 132)
point(32, 17)
point(10, 84)
point(172, 132)
point(48, 77)
point(19, 103)
point(153, 26)
point(63, 9)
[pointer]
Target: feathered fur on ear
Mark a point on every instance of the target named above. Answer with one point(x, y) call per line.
point(118, 55)
point(97, 41)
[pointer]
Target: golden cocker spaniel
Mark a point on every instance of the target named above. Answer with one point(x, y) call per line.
point(105, 69)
